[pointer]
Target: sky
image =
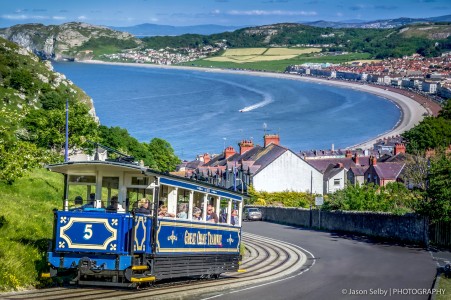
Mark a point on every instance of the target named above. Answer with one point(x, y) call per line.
point(220, 12)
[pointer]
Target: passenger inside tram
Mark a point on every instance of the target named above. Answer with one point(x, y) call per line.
point(182, 211)
point(197, 214)
point(211, 215)
point(163, 212)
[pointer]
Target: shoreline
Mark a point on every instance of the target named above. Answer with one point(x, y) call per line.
point(412, 112)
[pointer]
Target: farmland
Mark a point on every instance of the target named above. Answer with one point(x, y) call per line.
point(245, 55)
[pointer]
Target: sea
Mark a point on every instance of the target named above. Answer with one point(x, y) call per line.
point(203, 112)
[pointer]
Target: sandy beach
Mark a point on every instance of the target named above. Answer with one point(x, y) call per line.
point(412, 111)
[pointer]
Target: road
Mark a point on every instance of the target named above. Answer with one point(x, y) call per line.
point(344, 265)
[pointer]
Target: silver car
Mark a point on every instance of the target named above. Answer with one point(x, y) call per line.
point(252, 214)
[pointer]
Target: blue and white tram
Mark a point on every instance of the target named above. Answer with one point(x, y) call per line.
point(105, 244)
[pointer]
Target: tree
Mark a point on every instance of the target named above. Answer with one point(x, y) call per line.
point(46, 128)
point(162, 152)
point(416, 170)
point(431, 133)
point(438, 206)
point(119, 139)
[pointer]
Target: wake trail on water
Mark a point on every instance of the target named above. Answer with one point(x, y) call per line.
point(267, 98)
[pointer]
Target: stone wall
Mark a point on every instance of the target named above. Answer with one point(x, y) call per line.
point(408, 228)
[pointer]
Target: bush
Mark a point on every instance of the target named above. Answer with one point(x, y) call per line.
point(285, 198)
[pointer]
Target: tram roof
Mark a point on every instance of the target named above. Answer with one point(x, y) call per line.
point(77, 167)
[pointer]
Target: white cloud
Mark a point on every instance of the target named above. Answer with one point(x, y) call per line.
point(271, 13)
point(58, 18)
point(82, 18)
point(339, 14)
point(25, 17)
point(15, 17)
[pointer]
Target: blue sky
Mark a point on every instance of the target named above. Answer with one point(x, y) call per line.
point(221, 12)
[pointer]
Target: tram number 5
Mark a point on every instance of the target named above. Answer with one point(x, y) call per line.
point(88, 232)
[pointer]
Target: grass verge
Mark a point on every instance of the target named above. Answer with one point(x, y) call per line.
point(26, 220)
point(444, 283)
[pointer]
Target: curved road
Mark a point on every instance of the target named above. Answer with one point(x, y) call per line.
point(343, 265)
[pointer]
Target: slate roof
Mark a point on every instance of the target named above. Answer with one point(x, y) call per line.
point(331, 171)
point(389, 170)
point(358, 171)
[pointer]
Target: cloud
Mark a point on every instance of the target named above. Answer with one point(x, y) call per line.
point(270, 13)
point(28, 17)
point(39, 10)
point(63, 11)
point(339, 14)
point(82, 18)
point(58, 18)
point(15, 17)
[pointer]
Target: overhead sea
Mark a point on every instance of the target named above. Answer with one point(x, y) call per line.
point(201, 112)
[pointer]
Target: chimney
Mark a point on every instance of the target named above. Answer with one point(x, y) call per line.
point(373, 160)
point(271, 139)
point(348, 154)
point(400, 148)
point(339, 165)
point(245, 146)
point(356, 159)
point(206, 158)
point(229, 151)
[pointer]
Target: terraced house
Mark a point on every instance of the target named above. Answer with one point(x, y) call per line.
point(270, 168)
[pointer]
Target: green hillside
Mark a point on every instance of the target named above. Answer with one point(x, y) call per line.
point(378, 43)
point(32, 133)
point(26, 220)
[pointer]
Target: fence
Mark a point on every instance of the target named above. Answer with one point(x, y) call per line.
point(440, 234)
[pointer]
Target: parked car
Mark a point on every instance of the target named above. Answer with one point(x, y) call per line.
point(252, 214)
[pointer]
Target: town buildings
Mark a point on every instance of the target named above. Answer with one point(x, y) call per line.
point(274, 168)
point(426, 75)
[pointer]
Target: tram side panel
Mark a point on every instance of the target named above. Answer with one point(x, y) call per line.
point(101, 239)
point(186, 248)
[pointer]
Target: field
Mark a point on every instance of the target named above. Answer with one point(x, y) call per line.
point(277, 65)
point(243, 55)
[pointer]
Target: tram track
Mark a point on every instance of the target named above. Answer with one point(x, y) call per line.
point(265, 260)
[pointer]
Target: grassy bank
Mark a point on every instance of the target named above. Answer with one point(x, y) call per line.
point(26, 226)
point(278, 65)
point(445, 283)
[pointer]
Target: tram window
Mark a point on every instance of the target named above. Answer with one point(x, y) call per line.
point(223, 210)
point(235, 217)
point(134, 195)
point(82, 179)
point(110, 188)
point(198, 205)
point(140, 181)
point(182, 203)
point(79, 194)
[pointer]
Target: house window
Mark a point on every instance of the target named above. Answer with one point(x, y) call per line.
point(336, 182)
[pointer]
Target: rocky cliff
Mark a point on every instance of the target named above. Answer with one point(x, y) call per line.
point(25, 81)
point(69, 41)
